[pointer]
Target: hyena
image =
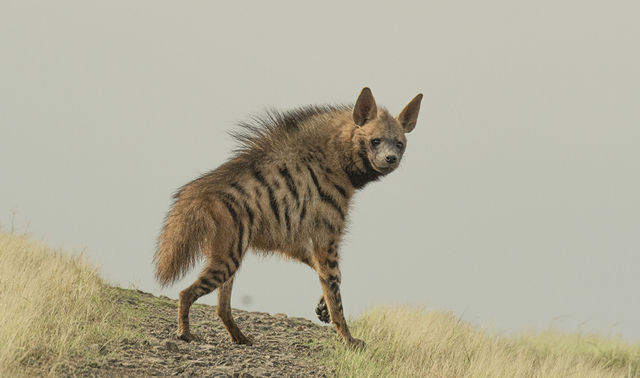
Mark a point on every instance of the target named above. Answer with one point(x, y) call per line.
point(286, 190)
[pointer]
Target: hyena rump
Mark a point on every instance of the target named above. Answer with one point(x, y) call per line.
point(286, 190)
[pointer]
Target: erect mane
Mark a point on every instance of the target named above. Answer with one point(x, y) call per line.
point(274, 124)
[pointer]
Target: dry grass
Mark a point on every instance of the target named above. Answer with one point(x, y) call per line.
point(407, 342)
point(52, 305)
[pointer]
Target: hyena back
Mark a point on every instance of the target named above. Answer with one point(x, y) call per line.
point(287, 190)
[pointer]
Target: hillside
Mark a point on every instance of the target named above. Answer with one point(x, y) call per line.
point(283, 346)
point(58, 318)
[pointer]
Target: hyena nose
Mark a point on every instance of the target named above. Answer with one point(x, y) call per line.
point(391, 159)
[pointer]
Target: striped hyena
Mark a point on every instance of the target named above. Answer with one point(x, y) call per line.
point(286, 190)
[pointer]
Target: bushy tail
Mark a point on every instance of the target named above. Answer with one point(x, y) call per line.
point(187, 230)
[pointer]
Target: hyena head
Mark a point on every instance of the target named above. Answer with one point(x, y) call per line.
point(381, 136)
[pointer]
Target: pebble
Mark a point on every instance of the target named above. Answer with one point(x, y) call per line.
point(171, 346)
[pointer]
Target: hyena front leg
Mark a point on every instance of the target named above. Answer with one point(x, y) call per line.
point(322, 311)
point(326, 261)
point(304, 254)
point(224, 312)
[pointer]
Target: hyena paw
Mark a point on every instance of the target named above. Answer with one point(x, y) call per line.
point(188, 336)
point(242, 339)
point(322, 311)
point(355, 344)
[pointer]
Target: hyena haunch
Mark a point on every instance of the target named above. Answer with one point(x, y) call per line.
point(287, 190)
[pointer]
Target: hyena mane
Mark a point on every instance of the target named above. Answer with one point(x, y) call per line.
point(287, 189)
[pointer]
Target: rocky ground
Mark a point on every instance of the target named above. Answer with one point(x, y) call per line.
point(283, 347)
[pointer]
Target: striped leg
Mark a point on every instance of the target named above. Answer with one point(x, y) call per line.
point(322, 311)
point(224, 312)
point(211, 278)
point(304, 254)
point(329, 273)
point(224, 261)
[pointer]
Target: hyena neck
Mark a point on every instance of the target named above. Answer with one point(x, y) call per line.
point(352, 152)
point(360, 177)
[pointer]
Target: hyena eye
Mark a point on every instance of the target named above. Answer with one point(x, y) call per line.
point(399, 145)
point(375, 142)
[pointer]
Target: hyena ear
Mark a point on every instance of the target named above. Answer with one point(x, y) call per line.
point(365, 108)
point(409, 115)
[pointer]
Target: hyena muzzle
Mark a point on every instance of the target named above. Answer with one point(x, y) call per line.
point(286, 190)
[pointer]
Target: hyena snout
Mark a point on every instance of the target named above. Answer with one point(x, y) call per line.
point(385, 160)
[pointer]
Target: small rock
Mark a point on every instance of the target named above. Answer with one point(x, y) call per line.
point(280, 315)
point(171, 346)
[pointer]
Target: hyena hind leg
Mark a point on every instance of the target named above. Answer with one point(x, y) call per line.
point(210, 279)
point(224, 312)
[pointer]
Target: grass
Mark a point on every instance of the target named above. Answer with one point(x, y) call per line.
point(53, 305)
point(409, 342)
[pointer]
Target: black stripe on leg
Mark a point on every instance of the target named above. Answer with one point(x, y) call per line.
point(328, 225)
point(218, 275)
point(207, 283)
point(226, 264)
point(234, 259)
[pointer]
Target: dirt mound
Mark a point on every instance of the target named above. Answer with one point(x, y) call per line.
point(283, 347)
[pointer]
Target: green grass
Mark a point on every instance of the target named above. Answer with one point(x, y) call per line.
point(409, 342)
point(53, 305)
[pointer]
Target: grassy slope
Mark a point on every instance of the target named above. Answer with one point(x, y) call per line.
point(408, 342)
point(53, 305)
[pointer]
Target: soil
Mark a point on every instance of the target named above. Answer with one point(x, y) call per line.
point(283, 346)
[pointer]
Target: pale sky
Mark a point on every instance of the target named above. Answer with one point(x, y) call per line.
point(517, 203)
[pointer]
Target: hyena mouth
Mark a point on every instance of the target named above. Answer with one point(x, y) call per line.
point(383, 170)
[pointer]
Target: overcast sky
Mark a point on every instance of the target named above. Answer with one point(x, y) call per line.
point(517, 202)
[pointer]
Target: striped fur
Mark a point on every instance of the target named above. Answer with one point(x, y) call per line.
point(286, 190)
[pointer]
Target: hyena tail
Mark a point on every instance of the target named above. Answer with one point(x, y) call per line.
point(185, 238)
